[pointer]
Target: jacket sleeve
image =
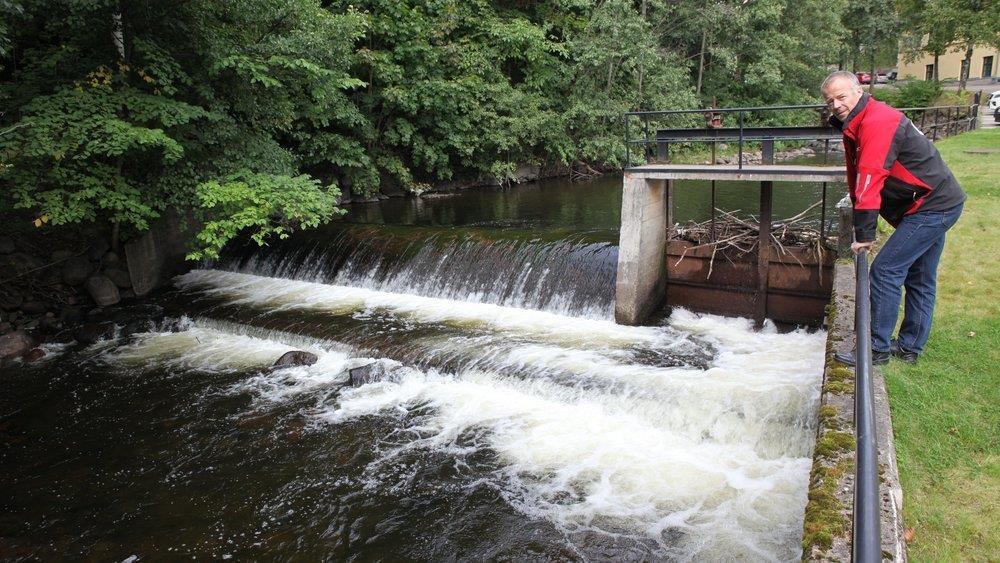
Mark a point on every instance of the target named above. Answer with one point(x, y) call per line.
point(876, 153)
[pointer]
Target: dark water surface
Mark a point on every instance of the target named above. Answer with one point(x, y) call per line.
point(499, 414)
point(561, 204)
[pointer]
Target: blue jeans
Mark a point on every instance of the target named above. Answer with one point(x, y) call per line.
point(909, 258)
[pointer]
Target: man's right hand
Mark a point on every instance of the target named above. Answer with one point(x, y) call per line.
point(857, 247)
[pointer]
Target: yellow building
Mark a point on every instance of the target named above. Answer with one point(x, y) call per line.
point(985, 63)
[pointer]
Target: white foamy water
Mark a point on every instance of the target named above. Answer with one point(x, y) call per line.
point(283, 294)
point(709, 463)
point(215, 346)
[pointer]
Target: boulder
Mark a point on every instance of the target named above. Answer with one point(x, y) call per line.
point(137, 326)
point(110, 259)
point(5, 327)
point(22, 262)
point(76, 270)
point(119, 277)
point(295, 358)
point(72, 315)
point(102, 290)
point(64, 336)
point(34, 307)
point(7, 245)
point(93, 332)
point(33, 355)
point(525, 173)
point(369, 373)
point(14, 344)
point(98, 250)
point(11, 301)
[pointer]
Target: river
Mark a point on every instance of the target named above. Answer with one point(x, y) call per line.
point(501, 413)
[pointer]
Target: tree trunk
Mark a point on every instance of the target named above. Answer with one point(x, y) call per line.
point(874, 75)
point(642, 66)
point(935, 69)
point(966, 66)
point(701, 60)
point(118, 33)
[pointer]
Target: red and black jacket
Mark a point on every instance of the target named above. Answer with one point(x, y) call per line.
point(892, 168)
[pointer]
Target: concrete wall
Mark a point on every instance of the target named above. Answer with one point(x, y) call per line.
point(641, 283)
point(830, 508)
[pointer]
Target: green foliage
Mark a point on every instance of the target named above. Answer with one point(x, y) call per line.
point(121, 110)
point(251, 202)
point(85, 152)
point(913, 94)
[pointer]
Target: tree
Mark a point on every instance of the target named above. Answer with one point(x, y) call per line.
point(124, 110)
point(972, 22)
point(872, 23)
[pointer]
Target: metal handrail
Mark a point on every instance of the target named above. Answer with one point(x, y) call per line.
point(721, 110)
point(867, 538)
point(740, 112)
point(951, 124)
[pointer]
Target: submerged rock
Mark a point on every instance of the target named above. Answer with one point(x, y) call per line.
point(296, 358)
point(33, 355)
point(93, 332)
point(15, 344)
point(370, 373)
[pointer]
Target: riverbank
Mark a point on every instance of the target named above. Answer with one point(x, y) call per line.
point(944, 409)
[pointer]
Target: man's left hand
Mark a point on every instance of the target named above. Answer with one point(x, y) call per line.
point(857, 247)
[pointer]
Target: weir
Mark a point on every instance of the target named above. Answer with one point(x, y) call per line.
point(791, 286)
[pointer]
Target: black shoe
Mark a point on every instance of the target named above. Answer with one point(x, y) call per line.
point(904, 355)
point(848, 358)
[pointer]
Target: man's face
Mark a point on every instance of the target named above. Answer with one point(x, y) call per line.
point(841, 96)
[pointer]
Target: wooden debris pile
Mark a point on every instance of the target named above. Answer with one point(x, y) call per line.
point(731, 233)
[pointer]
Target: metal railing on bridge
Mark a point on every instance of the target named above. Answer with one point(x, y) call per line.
point(767, 124)
point(763, 124)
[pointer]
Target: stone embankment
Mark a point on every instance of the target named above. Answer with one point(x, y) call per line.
point(65, 289)
point(811, 149)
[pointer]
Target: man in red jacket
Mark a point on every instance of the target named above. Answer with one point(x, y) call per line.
point(895, 171)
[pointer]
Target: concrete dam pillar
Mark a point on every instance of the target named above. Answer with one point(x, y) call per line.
point(642, 272)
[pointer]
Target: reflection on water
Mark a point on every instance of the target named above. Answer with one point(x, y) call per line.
point(587, 206)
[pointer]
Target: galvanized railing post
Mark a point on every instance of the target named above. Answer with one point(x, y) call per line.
point(740, 119)
point(867, 538)
point(628, 152)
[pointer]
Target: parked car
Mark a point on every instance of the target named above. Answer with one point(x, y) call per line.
point(881, 77)
point(993, 102)
point(863, 77)
point(996, 115)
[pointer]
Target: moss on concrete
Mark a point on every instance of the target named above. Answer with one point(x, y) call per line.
point(828, 417)
point(830, 444)
point(825, 517)
point(839, 380)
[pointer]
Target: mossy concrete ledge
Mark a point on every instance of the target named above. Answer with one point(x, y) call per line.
point(827, 527)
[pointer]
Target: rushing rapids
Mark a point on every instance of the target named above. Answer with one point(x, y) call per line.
point(502, 415)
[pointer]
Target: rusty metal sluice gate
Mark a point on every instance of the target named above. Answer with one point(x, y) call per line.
point(791, 286)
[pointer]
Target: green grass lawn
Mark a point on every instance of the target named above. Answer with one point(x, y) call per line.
point(946, 409)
